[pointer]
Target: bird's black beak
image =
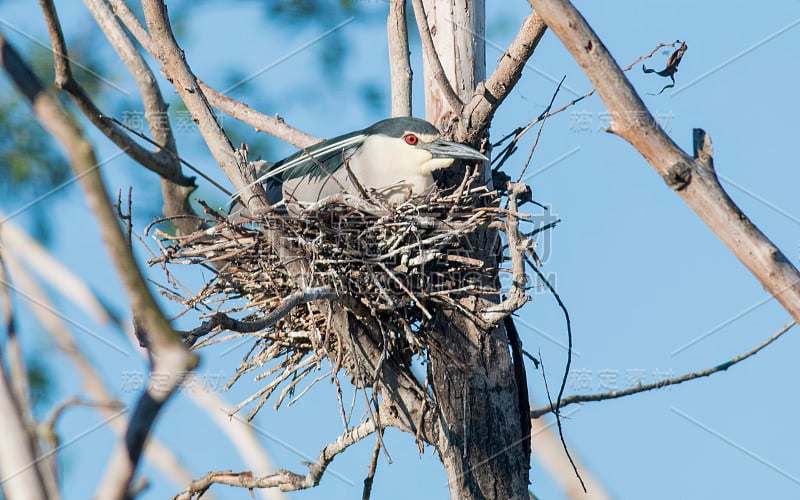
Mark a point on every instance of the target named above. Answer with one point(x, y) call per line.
point(446, 149)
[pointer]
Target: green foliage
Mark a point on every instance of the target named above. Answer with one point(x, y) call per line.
point(40, 381)
point(305, 10)
point(28, 158)
point(30, 161)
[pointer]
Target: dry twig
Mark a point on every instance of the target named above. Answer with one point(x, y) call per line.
point(585, 398)
point(389, 264)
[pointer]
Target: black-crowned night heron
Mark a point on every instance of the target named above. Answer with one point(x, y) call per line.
point(394, 157)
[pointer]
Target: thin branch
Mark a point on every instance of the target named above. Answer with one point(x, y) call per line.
point(548, 112)
point(274, 126)
point(693, 180)
point(566, 368)
point(47, 429)
point(286, 305)
point(173, 359)
point(399, 64)
point(429, 49)
point(539, 132)
point(174, 154)
point(283, 479)
point(554, 463)
point(155, 452)
point(480, 110)
point(155, 109)
point(178, 72)
point(20, 479)
point(64, 79)
point(239, 432)
point(584, 398)
point(517, 249)
point(373, 466)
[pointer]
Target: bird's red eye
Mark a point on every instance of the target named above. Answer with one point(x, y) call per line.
point(411, 139)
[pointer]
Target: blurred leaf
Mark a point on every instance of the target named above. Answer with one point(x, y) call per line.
point(40, 381)
point(29, 160)
point(373, 96)
point(310, 10)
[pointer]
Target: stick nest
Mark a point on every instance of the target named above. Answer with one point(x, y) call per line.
point(396, 264)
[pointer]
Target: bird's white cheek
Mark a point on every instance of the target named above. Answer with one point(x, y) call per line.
point(436, 164)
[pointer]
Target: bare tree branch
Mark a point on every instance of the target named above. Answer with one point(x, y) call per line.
point(283, 479)
point(478, 113)
point(239, 432)
point(550, 453)
point(399, 64)
point(172, 360)
point(17, 372)
point(373, 466)
point(584, 398)
point(47, 429)
point(155, 161)
point(155, 451)
point(517, 248)
point(285, 307)
point(429, 49)
point(178, 72)
point(81, 155)
point(155, 109)
point(261, 122)
point(693, 180)
point(20, 476)
point(175, 187)
point(237, 109)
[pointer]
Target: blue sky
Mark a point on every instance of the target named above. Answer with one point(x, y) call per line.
point(650, 290)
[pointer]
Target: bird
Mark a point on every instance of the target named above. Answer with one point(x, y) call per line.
point(394, 157)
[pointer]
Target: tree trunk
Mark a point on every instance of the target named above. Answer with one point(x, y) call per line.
point(482, 443)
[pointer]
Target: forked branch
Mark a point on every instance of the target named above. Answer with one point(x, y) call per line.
point(237, 109)
point(585, 398)
point(172, 360)
point(283, 479)
point(692, 179)
point(481, 108)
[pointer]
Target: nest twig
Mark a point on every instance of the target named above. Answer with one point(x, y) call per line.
point(398, 263)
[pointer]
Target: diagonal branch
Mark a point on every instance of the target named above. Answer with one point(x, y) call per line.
point(18, 453)
point(180, 74)
point(64, 78)
point(585, 398)
point(283, 479)
point(172, 360)
point(175, 187)
point(429, 49)
point(261, 122)
point(693, 179)
point(286, 305)
point(480, 110)
point(237, 109)
point(155, 452)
